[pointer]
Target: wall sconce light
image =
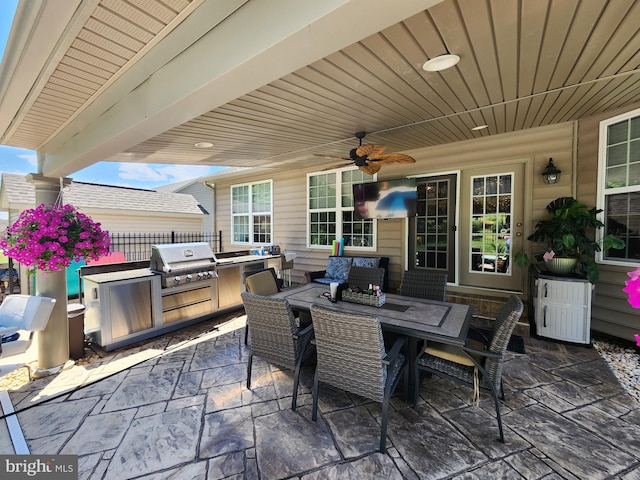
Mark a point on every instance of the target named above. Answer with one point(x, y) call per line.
point(551, 174)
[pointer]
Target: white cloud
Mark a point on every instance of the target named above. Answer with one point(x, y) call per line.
point(140, 172)
point(179, 173)
point(143, 172)
point(31, 158)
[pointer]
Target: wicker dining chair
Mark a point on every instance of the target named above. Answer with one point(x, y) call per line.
point(261, 282)
point(275, 337)
point(424, 284)
point(477, 364)
point(351, 356)
point(362, 277)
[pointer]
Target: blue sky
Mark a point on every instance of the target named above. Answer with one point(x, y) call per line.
point(147, 175)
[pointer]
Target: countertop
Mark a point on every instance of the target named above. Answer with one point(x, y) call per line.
point(121, 275)
point(244, 259)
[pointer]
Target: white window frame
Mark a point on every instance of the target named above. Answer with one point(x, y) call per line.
point(250, 213)
point(602, 191)
point(338, 210)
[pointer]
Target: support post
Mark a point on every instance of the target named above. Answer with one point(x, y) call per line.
point(53, 341)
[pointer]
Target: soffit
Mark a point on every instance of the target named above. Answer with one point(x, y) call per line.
point(523, 64)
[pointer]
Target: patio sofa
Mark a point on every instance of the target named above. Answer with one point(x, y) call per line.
point(338, 269)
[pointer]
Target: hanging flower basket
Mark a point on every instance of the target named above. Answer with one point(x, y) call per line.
point(49, 237)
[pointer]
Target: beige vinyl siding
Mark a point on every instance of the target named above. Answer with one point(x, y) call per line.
point(533, 147)
point(120, 223)
point(610, 311)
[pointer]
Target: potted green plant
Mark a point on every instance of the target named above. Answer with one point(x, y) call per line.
point(569, 244)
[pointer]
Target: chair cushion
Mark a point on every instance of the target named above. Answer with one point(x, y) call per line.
point(371, 262)
point(262, 283)
point(338, 268)
point(454, 354)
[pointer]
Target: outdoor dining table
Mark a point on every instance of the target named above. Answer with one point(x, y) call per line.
point(417, 318)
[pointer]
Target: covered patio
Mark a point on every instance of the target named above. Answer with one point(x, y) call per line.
point(177, 407)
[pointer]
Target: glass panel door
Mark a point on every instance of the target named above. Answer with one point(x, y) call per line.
point(432, 231)
point(491, 219)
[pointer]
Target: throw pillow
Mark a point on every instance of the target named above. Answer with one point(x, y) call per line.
point(338, 268)
point(370, 262)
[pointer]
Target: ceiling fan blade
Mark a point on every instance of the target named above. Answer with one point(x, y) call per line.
point(339, 157)
point(390, 158)
point(370, 150)
point(371, 168)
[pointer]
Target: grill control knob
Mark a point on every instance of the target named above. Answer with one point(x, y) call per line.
point(189, 277)
point(176, 280)
point(201, 275)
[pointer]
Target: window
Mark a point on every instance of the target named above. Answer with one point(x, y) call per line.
point(491, 212)
point(330, 197)
point(251, 213)
point(620, 174)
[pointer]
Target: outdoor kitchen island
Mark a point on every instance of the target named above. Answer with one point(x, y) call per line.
point(184, 284)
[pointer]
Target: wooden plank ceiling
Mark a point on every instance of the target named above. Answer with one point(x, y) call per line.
point(523, 64)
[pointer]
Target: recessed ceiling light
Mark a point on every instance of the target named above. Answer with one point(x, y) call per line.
point(480, 127)
point(441, 62)
point(204, 145)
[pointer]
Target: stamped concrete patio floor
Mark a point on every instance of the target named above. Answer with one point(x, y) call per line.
point(177, 407)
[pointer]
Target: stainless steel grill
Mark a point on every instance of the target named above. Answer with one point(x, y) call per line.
point(181, 263)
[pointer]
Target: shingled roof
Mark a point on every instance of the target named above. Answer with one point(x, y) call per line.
point(17, 190)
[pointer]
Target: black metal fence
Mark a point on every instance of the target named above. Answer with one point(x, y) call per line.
point(137, 246)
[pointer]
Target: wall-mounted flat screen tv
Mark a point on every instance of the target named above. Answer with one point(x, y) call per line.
point(386, 199)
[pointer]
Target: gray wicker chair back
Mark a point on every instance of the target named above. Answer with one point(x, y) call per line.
point(486, 364)
point(505, 323)
point(274, 335)
point(349, 351)
point(351, 356)
point(263, 282)
point(362, 277)
point(424, 284)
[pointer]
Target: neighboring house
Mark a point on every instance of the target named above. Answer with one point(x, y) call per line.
point(118, 209)
point(202, 191)
point(287, 217)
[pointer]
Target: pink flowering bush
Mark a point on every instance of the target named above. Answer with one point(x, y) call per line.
point(633, 288)
point(49, 237)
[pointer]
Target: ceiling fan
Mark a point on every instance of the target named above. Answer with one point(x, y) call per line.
point(370, 158)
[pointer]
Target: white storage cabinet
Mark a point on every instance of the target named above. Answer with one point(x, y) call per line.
point(563, 308)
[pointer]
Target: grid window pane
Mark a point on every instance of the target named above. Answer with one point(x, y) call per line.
point(432, 235)
point(330, 199)
point(240, 199)
point(622, 186)
point(241, 229)
point(261, 197)
point(623, 220)
point(491, 203)
point(251, 213)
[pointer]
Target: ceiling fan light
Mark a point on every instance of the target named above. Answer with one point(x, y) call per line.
point(441, 62)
